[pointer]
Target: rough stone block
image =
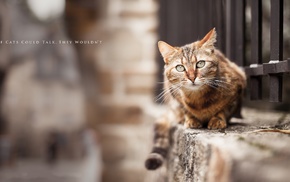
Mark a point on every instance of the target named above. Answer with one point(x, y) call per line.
point(239, 153)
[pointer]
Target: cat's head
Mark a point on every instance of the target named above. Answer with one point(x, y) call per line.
point(193, 65)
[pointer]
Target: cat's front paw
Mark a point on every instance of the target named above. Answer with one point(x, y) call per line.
point(216, 123)
point(192, 124)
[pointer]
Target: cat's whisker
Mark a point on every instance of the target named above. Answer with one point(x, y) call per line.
point(217, 80)
point(165, 94)
point(220, 85)
point(162, 95)
point(163, 82)
point(215, 84)
point(224, 82)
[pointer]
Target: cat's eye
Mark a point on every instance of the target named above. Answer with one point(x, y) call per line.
point(180, 68)
point(200, 64)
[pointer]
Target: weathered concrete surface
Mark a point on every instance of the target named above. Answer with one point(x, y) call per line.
point(239, 153)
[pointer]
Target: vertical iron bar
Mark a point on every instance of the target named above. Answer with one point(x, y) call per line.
point(207, 16)
point(256, 48)
point(276, 30)
point(179, 23)
point(240, 32)
point(198, 20)
point(256, 87)
point(172, 22)
point(230, 27)
point(195, 20)
point(163, 20)
point(211, 17)
point(188, 19)
point(235, 31)
point(256, 36)
point(200, 12)
point(276, 86)
point(276, 48)
point(221, 24)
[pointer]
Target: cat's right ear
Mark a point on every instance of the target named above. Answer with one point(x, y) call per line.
point(209, 39)
point(166, 50)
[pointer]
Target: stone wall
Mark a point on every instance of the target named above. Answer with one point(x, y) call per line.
point(125, 62)
point(258, 151)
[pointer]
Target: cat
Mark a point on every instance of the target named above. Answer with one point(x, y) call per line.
point(202, 89)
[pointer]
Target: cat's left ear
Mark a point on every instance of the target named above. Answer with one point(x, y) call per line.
point(209, 39)
point(165, 49)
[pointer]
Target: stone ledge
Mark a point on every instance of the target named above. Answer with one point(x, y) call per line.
point(239, 153)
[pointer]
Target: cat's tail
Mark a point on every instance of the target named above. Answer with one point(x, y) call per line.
point(161, 145)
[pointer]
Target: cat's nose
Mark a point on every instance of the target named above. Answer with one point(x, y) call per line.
point(192, 79)
point(191, 76)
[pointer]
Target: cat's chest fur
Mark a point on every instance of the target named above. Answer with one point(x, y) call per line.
point(203, 105)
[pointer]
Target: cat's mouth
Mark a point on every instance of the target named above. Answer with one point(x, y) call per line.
point(192, 86)
point(193, 83)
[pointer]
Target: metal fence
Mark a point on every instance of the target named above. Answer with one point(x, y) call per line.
point(276, 66)
point(184, 21)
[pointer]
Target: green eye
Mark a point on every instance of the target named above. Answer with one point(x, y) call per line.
point(200, 64)
point(180, 68)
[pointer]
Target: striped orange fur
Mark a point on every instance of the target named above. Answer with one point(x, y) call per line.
point(202, 88)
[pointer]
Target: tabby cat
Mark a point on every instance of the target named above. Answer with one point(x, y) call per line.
point(201, 87)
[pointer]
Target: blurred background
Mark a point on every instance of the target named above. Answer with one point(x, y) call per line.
point(77, 111)
point(78, 85)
